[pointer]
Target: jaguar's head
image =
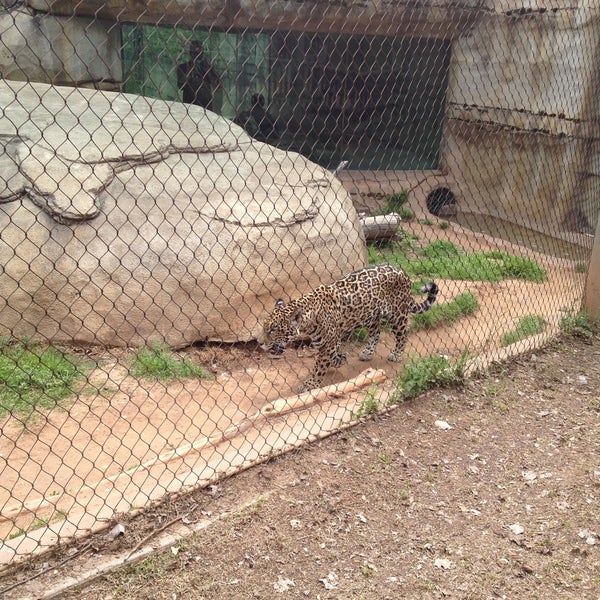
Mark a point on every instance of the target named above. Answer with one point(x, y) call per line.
point(279, 328)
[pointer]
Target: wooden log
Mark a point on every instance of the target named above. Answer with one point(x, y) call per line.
point(381, 227)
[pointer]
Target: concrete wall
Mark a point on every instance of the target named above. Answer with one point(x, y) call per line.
point(519, 129)
point(520, 122)
point(61, 50)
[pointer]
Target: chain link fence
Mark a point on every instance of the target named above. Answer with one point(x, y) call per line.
point(167, 175)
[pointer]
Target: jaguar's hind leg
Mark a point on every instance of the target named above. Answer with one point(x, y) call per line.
point(399, 326)
point(374, 332)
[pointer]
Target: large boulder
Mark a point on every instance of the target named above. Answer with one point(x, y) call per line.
point(126, 220)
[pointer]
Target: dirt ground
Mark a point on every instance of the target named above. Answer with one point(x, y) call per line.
point(485, 491)
point(84, 462)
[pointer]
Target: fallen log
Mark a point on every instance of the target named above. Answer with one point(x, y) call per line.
point(381, 227)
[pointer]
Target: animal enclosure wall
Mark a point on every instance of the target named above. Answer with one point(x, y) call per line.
point(166, 181)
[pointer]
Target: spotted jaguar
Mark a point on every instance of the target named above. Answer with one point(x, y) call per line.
point(329, 312)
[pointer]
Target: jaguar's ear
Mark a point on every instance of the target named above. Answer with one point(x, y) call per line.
point(280, 303)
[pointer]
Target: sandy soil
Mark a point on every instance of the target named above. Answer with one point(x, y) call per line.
point(129, 444)
point(486, 491)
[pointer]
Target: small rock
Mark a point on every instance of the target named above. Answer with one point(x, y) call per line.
point(330, 582)
point(443, 563)
point(517, 528)
point(589, 536)
point(283, 584)
point(443, 425)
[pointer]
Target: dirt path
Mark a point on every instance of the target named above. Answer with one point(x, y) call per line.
point(490, 491)
point(85, 463)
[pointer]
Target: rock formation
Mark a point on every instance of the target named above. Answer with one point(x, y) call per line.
point(126, 220)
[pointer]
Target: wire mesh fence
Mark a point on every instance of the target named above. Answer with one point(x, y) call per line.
point(168, 175)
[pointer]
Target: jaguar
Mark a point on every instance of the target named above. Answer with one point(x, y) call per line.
point(332, 311)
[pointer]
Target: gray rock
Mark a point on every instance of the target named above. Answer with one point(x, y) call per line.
point(125, 220)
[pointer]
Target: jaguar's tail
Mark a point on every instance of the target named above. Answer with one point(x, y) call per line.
point(432, 291)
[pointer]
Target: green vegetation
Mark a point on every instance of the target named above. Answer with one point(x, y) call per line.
point(369, 404)
point(395, 202)
point(445, 260)
point(38, 523)
point(444, 224)
point(423, 373)
point(34, 376)
point(528, 325)
point(578, 324)
point(426, 222)
point(581, 267)
point(159, 363)
point(447, 313)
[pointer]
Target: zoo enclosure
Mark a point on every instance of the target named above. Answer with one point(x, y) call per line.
point(138, 221)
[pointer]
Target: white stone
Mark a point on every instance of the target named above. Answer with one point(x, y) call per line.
point(126, 220)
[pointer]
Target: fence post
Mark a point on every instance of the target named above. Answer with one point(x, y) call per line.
point(591, 299)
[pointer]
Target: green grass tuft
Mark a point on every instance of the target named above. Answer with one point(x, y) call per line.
point(395, 202)
point(578, 324)
point(527, 326)
point(447, 313)
point(159, 363)
point(423, 373)
point(34, 376)
point(447, 261)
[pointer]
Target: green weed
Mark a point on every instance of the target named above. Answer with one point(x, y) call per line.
point(395, 202)
point(527, 326)
point(447, 313)
point(34, 376)
point(423, 373)
point(369, 404)
point(159, 363)
point(577, 324)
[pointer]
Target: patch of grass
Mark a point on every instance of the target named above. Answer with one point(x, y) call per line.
point(578, 324)
point(369, 404)
point(581, 267)
point(160, 363)
point(445, 260)
point(406, 214)
point(447, 313)
point(426, 222)
point(395, 202)
point(359, 335)
point(423, 373)
point(34, 376)
point(527, 326)
point(40, 522)
point(155, 567)
point(444, 224)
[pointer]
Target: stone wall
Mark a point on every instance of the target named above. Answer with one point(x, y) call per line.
point(83, 51)
point(519, 130)
point(521, 102)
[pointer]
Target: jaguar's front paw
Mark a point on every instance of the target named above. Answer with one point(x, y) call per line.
point(339, 359)
point(309, 384)
point(366, 355)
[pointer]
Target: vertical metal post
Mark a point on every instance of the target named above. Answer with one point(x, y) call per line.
point(591, 300)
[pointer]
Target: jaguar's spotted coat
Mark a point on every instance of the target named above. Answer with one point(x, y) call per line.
point(361, 299)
